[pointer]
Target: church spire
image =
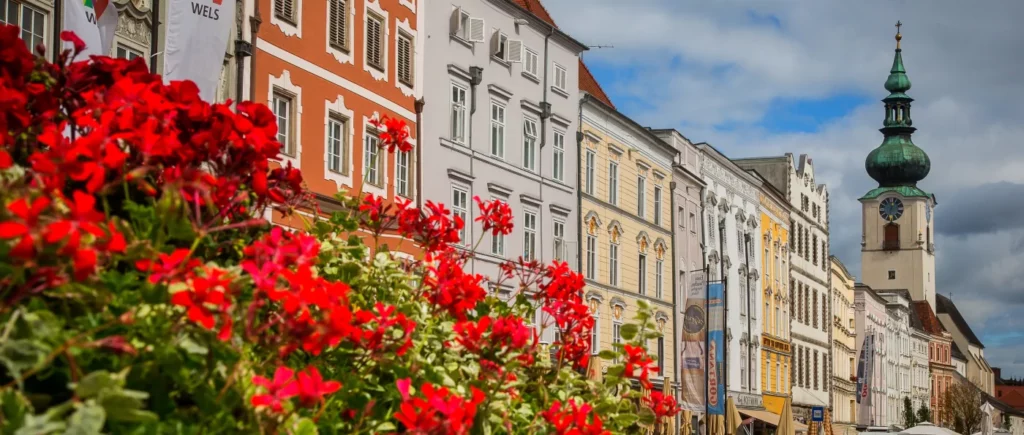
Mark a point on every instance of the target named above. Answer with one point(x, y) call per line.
point(897, 161)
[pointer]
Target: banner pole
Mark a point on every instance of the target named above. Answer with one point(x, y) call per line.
point(707, 347)
point(58, 26)
point(154, 36)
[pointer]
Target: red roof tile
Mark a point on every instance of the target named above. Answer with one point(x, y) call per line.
point(590, 85)
point(1011, 396)
point(537, 9)
point(928, 320)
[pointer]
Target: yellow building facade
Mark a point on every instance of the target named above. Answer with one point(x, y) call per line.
point(626, 240)
point(776, 347)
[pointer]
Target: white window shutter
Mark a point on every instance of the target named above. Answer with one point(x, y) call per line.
point(515, 50)
point(456, 20)
point(495, 42)
point(476, 29)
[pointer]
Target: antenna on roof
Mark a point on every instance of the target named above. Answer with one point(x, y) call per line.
point(600, 46)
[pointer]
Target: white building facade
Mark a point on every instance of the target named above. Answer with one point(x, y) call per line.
point(872, 321)
point(899, 356)
point(733, 246)
point(920, 382)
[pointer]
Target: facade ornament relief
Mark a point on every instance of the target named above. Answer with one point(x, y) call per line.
point(727, 177)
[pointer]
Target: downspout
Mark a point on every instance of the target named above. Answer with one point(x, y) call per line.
point(676, 333)
point(243, 49)
point(579, 183)
point(254, 30)
point(545, 113)
point(476, 76)
point(725, 308)
point(154, 37)
point(750, 315)
point(419, 151)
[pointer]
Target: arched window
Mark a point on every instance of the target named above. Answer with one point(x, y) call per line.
point(892, 236)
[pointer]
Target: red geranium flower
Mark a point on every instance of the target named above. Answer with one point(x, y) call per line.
point(312, 387)
point(279, 390)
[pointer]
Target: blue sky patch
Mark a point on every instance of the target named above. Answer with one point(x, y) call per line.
point(789, 115)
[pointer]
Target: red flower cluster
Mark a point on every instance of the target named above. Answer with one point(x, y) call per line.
point(209, 296)
point(663, 405)
point(490, 335)
point(438, 411)
point(495, 215)
point(450, 288)
point(573, 419)
point(394, 133)
point(434, 228)
point(310, 388)
point(562, 296)
point(637, 359)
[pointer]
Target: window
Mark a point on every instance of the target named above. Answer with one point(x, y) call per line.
point(283, 112)
point(375, 41)
point(743, 367)
point(642, 274)
point(588, 181)
point(778, 377)
point(404, 59)
point(814, 309)
point(499, 47)
point(778, 322)
point(658, 288)
point(529, 144)
point(892, 274)
point(613, 264)
point(595, 335)
point(815, 370)
point(661, 356)
point(613, 183)
point(373, 164)
point(122, 52)
point(337, 152)
point(458, 133)
point(497, 130)
point(558, 230)
point(591, 257)
point(460, 206)
point(285, 10)
point(530, 235)
point(530, 62)
point(616, 333)
point(693, 222)
point(402, 174)
point(558, 157)
point(892, 237)
point(31, 20)
point(338, 31)
point(498, 244)
point(641, 196)
point(560, 77)
point(814, 249)
point(657, 205)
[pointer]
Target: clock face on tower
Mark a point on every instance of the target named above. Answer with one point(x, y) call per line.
point(890, 209)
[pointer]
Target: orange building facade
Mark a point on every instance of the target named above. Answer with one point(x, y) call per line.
point(326, 69)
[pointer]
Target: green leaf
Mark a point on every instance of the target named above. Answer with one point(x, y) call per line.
point(625, 420)
point(14, 409)
point(306, 427)
point(93, 383)
point(607, 354)
point(87, 420)
point(134, 416)
point(190, 346)
point(646, 416)
point(386, 427)
point(628, 331)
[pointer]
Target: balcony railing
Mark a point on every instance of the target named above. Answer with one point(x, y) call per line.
point(891, 245)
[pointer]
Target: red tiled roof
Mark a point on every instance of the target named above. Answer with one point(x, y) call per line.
point(590, 85)
point(1012, 397)
point(928, 320)
point(537, 9)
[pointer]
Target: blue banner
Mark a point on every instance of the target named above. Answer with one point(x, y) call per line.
point(716, 343)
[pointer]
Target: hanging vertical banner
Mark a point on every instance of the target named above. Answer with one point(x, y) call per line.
point(716, 346)
point(864, 382)
point(197, 39)
point(94, 21)
point(693, 336)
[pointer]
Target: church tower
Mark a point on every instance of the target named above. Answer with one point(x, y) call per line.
point(897, 242)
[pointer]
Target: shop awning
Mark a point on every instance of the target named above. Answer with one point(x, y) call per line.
point(770, 418)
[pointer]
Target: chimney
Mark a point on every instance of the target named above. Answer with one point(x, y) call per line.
point(997, 373)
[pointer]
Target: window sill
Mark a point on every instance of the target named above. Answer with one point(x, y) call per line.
point(501, 61)
point(560, 91)
point(462, 41)
point(376, 67)
point(342, 50)
point(531, 77)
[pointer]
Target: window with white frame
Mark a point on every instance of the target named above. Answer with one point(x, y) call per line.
point(530, 144)
point(498, 244)
point(641, 196)
point(466, 27)
point(497, 130)
point(661, 356)
point(373, 163)
point(404, 58)
point(743, 367)
point(588, 180)
point(657, 205)
point(402, 170)
point(658, 271)
point(595, 334)
point(530, 235)
point(591, 257)
point(460, 208)
point(613, 264)
point(778, 321)
point(283, 111)
point(558, 230)
point(337, 151)
point(613, 183)
point(458, 132)
point(743, 297)
point(31, 20)
point(123, 52)
point(375, 41)
point(693, 222)
point(558, 156)
point(642, 273)
point(285, 10)
point(530, 62)
point(560, 77)
point(499, 45)
point(616, 332)
point(338, 30)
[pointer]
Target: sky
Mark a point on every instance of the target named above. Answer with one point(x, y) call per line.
point(766, 77)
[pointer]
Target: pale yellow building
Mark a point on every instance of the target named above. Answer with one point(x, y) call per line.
point(776, 347)
point(844, 345)
point(626, 240)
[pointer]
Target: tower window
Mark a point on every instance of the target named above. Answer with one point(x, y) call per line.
point(892, 237)
point(892, 274)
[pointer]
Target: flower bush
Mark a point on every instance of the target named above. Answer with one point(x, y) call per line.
point(141, 291)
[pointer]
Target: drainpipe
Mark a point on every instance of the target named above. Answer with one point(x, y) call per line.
point(154, 36)
point(419, 151)
point(545, 113)
point(750, 315)
point(243, 49)
point(476, 76)
point(579, 183)
point(676, 333)
point(254, 30)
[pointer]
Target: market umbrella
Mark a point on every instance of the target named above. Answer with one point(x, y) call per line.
point(733, 419)
point(927, 428)
point(786, 421)
point(685, 424)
